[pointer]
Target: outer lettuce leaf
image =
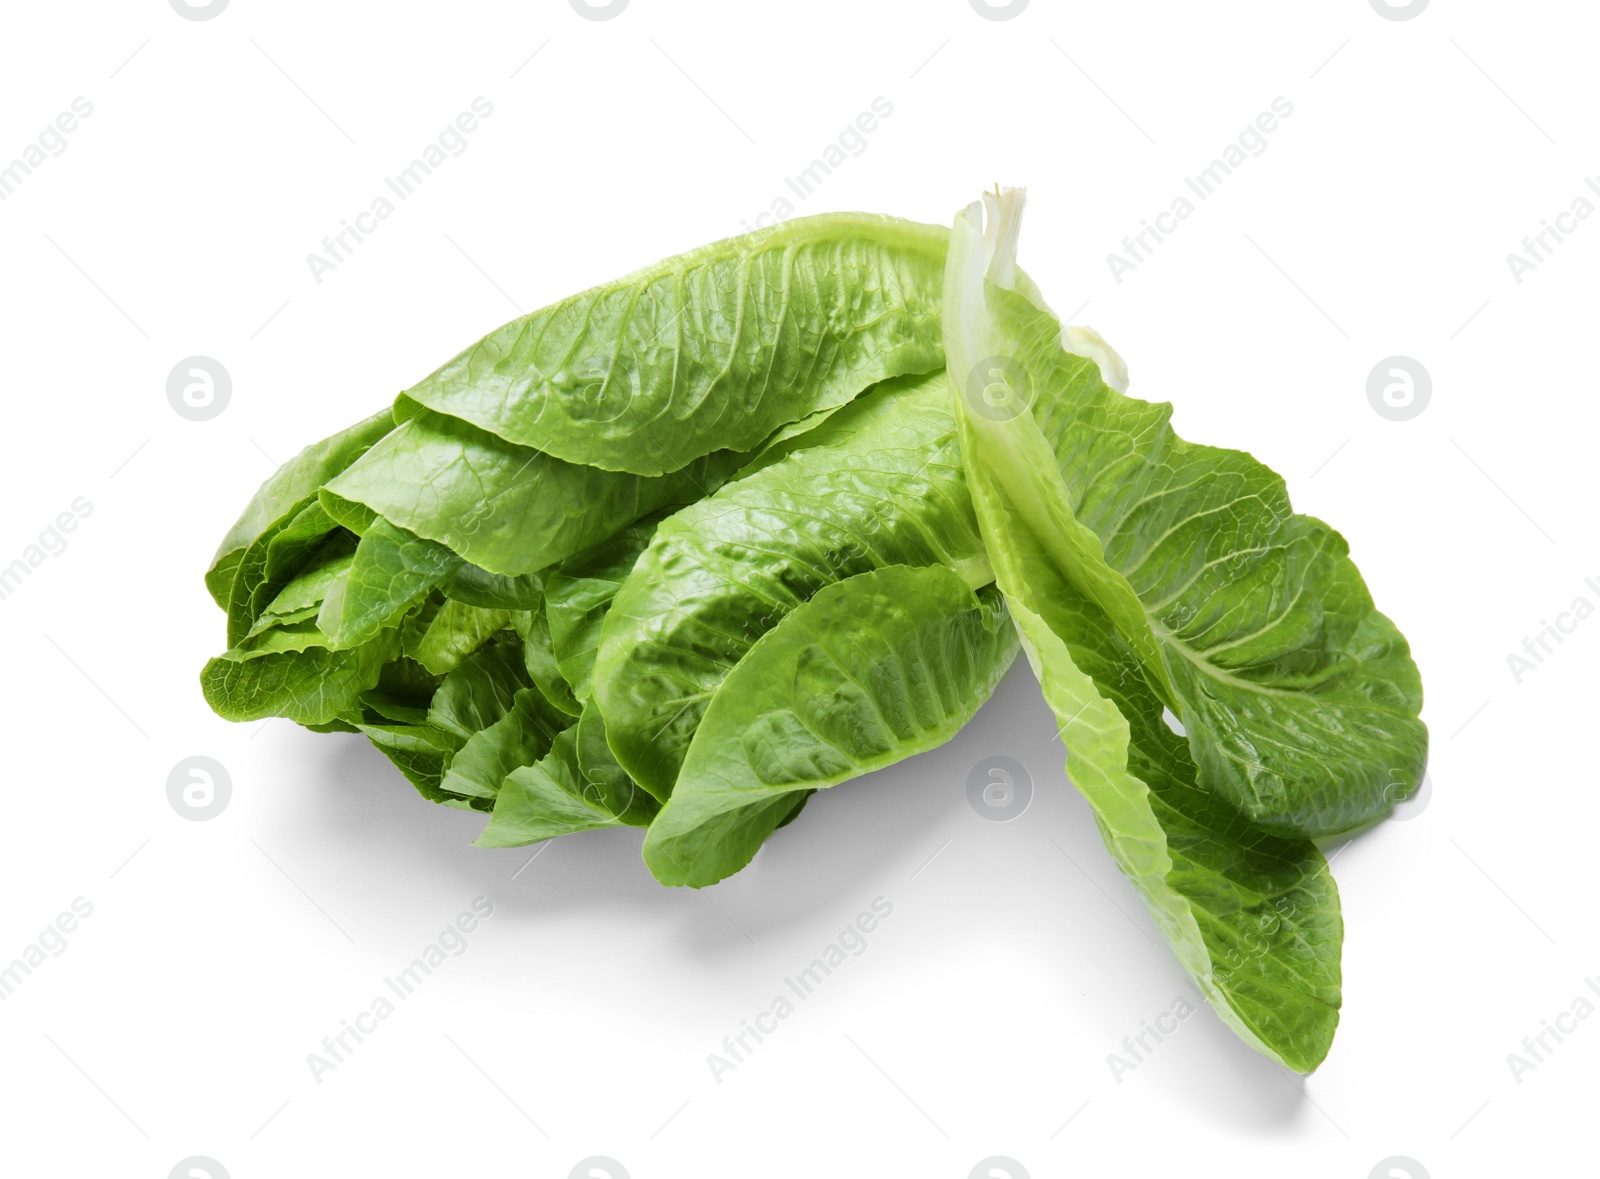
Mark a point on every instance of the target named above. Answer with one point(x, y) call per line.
point(1253, 916)
point(1300, 700)
point(282, 495)
point(506, 508)
point(710, 350)
point(880, 483)
point(871, 670)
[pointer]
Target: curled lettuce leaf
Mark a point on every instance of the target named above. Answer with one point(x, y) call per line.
point(1252, 914)
point(283, 494)
point(510, 509)
point(519, 738)
point(313, 686)
point(391, 573)
point(1251, 623)
point(576, 787)
point(871, 670)
point(710, 350)
point(880, 483)
point(440, 637)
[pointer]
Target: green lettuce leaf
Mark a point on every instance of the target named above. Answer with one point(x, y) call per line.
point(710, 350)
point(880, 483)
point(578, 596)
point(494, 591)
point(480, 691)
point(539, 657)
point(283, 494)
point(422, 754)
point(519, 738)
point(555, 796)
point(440, 637)
point(275, 558)
point(871, 670)
point(311, 687)
point(403, 693)
point(294, 633)
point(509, 509)
point(1299, 698)
point(1253, 916)
point(392, 572)
point(302, 597)
point(604, 775)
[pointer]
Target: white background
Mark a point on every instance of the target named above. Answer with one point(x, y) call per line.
point(177, 222)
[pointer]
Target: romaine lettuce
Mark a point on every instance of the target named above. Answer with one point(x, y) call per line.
point(684, 549)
